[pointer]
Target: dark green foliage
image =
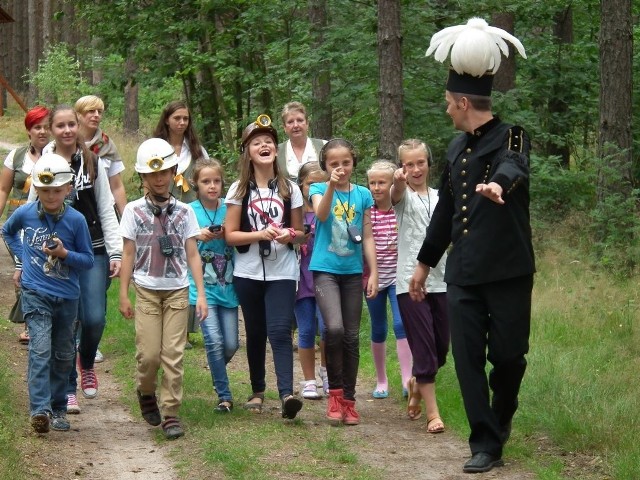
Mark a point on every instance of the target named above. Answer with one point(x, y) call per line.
point(557, 192)
point(234, 60)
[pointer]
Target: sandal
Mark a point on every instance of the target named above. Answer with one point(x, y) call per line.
point(435, 425)
point(224, 406)
point(172, 428)
point(254, 407)
point(23, 338)
point(291, 406)
point(413, 411)
point(149, 408)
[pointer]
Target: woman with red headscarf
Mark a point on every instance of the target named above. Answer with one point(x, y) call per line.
point(15, 179)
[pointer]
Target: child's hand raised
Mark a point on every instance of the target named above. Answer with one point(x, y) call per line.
point(336, 176)
point(400, 175)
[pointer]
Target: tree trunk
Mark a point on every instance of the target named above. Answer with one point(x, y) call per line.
point(616, 82)
point(131, 120)
point(21, 50)
point(321, 76)
point(46, 24)
point(558, 106)
point(32, 31)
point(68, 31)
point(390, 93)
point(505, 78)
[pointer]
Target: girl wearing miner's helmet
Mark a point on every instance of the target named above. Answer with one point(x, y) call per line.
point(264, 219)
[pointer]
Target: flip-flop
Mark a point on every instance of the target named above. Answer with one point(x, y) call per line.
point(438, 427)
point(414, 412)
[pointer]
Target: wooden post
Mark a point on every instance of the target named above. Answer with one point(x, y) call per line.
point(16, 97)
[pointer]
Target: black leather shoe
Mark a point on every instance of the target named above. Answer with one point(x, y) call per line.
point(482, 462)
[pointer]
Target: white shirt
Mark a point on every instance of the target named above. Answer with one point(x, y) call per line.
point(413, 214)
point(184, 159)
point(151, 269)
point(309, 155)
point(281, 264)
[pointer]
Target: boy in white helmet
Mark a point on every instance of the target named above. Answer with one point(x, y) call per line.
point(159, 234)
point(55, 246)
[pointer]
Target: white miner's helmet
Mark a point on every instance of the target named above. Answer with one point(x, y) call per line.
point(51, 170)
point(155, 155)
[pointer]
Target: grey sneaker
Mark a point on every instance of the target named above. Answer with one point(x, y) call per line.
point(40, 422)
point(59, 422)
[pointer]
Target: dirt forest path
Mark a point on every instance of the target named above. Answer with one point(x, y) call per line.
point(107, 443)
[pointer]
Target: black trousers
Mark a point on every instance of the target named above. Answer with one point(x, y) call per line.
point(490, 322)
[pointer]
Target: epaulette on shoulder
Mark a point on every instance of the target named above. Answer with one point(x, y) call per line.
point(516, 139)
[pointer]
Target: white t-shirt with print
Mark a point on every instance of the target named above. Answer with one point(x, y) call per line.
point(151, 269)
point(265, 207)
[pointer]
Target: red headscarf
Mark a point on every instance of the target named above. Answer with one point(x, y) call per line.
point(35, 116)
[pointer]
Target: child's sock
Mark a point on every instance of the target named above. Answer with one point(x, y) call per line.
point(379, 351)
point(405, 359)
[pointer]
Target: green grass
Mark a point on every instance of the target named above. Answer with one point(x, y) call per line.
point(12, 418)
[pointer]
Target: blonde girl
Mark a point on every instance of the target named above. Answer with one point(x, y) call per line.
point(385, 234)
point(426, 322)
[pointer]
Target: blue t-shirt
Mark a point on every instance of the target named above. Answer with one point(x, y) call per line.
point(334, 251)
point(217, 261)
point(52, 276)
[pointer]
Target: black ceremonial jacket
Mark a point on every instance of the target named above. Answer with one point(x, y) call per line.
point(490, 242)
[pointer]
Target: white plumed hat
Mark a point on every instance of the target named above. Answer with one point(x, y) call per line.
point(476, 50)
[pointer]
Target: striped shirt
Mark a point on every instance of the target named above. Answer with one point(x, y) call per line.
point(385, 235)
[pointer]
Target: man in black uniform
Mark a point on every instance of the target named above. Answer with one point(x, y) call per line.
point(483, 212)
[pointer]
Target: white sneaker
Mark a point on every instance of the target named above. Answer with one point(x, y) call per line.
point(310, 391)
point(99, 357)
point(72, 404)
point(322, 373)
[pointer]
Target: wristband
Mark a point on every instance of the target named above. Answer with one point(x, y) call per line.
point(292, 232)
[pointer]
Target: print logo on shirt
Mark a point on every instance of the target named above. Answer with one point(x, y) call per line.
point(343, 214)
point(266, 211)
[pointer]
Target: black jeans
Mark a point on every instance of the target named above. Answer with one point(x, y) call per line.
point(340, 300)
point(267, 307)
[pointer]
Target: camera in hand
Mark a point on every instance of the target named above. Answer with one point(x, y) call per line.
point(354, 234)
point(215, 228)
point(165, 245)
point(265, 248)
point(307, 228)
point(51, 244)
